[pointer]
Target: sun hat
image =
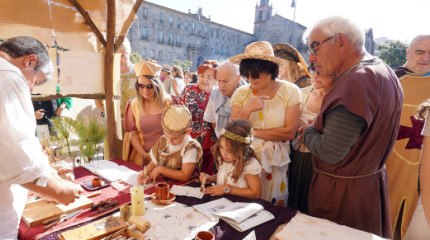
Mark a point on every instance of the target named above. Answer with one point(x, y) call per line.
point(258, 50)
point(147, 68)
point(167, 68)
point(176, 119)
point(289, 53)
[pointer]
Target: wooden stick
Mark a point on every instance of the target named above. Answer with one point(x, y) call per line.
point(89, 21)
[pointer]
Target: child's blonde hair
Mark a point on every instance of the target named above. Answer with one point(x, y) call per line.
point(238, 134)
point(422, 110)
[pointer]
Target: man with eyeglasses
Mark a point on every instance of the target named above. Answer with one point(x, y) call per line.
point(24, 63)
point(355, 131)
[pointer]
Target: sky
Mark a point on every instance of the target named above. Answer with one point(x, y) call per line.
point(394, 19)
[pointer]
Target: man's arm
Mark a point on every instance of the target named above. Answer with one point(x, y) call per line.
point(342, 130)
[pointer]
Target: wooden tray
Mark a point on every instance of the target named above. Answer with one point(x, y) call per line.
point(89, 185)
point(36, 212)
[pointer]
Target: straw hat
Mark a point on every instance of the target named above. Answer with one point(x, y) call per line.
point(167, 68)
point(148, 68)
point(289, 53)
point(258, 50)
point(176, 119)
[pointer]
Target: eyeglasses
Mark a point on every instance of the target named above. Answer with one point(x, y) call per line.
point(142, 86)
point(316, 44)
point(253, 75)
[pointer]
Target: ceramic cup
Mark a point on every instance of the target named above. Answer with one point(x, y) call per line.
point(162, 191)
point(204, 235)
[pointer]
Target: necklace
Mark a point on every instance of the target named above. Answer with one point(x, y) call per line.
point(361, 63)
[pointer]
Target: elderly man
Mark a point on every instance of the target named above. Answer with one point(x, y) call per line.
point(24, 63)
point(403, 163)
point(355, 130)
point(218, 110)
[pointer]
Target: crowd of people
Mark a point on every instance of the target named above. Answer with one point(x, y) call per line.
point(263, 124)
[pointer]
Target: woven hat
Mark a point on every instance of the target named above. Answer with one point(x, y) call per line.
point(289, 53)
point(258, 50)
point(176, 119)
point(167, 68)
point(148, 68)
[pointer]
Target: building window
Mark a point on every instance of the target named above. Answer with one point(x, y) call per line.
point(199, 27)
point(260, 15)
point(144, 52)
point(212, 32)
point(144, 33)
point(198, 43)
point(217, 33)
point(144, 11)
point(192, 26)
point(169, 56)
point(160, 36)
point(161, 17)
point(160, 55)
point(151, 53)
point(179, 22)
point(185, 24)
point(206, 28)
point(171, 20)
point(193, 42)
point(177, 40)
point(170, 39)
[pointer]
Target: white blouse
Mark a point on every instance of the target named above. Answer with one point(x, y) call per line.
point(226, 170)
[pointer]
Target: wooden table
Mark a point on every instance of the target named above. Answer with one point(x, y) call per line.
point(222, 230)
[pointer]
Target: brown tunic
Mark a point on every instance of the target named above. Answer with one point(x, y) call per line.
point(353, 192)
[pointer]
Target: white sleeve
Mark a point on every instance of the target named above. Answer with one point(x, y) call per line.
point(210, 112)
point(190, 156)
point(426, 129)
point(253, 167)
point(21, 159)
point(155, 161)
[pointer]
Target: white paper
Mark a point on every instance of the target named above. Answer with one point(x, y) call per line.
point(112, 171)
point(239, 211)
point(187, 191)
point(211, 208)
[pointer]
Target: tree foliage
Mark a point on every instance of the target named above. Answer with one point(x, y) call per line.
point(185, 65)
point(135, 58)
point(392, 53)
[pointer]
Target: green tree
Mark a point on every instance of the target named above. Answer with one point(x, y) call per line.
point(185, 65)
point(392, 53)
point(135, 58)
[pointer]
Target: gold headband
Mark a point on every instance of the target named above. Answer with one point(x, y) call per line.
point(236, 137)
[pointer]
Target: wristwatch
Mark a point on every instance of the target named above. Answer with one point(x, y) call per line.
point(227, 189)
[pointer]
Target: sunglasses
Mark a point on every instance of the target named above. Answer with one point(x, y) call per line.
point(142, 86)
point(213, 64)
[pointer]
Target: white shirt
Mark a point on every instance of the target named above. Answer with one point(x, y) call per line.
point(226, 170)
point(210, 114)
point(180, 85)
point(21, 157)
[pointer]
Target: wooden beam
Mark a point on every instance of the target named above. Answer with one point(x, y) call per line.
point(50, 97)
point(110, 40)
point(89, 21)
point(127, 24)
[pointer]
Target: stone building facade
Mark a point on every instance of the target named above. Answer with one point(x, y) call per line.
point(167, 35)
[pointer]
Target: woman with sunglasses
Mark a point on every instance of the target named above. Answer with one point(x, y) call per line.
point(142, 118)
point(195, 97)
point(272, 107)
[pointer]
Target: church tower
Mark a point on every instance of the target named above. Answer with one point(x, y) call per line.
point(262, 13)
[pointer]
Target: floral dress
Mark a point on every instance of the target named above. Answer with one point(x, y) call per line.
point(196, 101)
point(273, 155)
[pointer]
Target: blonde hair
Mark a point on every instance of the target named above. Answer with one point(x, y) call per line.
point(160, 94)
point(294, 71)
point(422, 110)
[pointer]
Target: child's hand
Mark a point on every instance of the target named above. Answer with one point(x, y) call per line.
point(153, 175)
point(142, 178)
point(204, 175)
point(216, 190)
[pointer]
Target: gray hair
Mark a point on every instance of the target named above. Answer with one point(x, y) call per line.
point(230, 65)
point(23, 46)
point(333, 26)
